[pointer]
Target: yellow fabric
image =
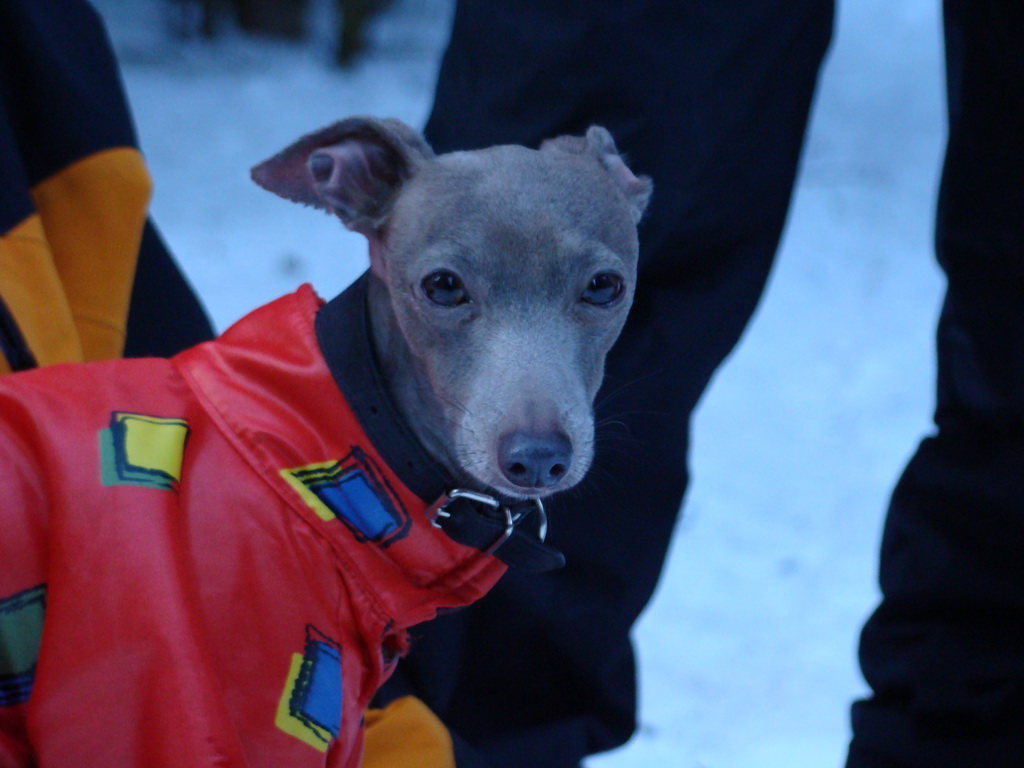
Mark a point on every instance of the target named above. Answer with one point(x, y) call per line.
point(93, 213)
point(406, 734)
point(34, 295)
point(154, 444)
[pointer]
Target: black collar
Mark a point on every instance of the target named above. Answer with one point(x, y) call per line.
point(343, 333)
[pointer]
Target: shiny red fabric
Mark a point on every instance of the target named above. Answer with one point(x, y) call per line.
point(176, 618)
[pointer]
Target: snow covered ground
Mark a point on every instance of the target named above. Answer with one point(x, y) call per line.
point(747, 654)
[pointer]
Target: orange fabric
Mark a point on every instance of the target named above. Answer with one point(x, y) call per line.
point(406, 734)
point(93, 213)
point(33, 292)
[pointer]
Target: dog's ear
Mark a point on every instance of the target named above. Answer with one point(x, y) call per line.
point(353, 169)
point(599, 143)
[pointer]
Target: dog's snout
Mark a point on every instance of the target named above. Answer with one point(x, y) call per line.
point(535, 461)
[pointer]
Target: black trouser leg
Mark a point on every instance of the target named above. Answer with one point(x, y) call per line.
point(944, 652)
point(711, 100)
point(164, 316)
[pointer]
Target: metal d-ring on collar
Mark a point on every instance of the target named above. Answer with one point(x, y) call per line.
point(512, 515)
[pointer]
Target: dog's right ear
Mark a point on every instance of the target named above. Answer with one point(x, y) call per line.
point(353, 169)
point(599, 143)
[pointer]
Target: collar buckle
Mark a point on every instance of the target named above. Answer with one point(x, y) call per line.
point(489, 503)
point(482, 521)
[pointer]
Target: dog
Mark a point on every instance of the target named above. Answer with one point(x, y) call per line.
point(214, 559)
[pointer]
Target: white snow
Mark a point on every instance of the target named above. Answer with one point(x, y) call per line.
point(747, 654)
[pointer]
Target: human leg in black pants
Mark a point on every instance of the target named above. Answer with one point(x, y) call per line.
point(165, 316)
point(944, 652)
point(711, 100)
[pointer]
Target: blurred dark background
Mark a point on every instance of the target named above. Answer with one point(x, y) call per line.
point(285, 19)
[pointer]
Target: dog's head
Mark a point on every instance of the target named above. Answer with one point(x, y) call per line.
point(501, 279)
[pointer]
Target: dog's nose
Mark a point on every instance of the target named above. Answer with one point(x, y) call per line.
point(534, 461)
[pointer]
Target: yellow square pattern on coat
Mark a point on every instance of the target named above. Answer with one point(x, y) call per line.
point(143, 450)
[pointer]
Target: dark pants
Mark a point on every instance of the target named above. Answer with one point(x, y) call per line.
point(944, 653)
point(711, 100)
point(165, 315)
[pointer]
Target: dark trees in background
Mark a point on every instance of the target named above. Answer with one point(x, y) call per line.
point(286, 19)
point(354, 15)
point(279, 18)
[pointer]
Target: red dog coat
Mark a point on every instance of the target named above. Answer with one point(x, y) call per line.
point(204, 561)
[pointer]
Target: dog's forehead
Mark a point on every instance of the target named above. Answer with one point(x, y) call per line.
point(521, 176)
point(532, 193)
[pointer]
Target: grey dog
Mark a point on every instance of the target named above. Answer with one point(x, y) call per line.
point(499, 280)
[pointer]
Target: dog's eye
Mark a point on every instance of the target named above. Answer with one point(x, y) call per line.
point(603, 289)
point(445, 288)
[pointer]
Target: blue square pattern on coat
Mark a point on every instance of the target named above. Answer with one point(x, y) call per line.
point(354, 491)
point(316, 698)
point(355, 500)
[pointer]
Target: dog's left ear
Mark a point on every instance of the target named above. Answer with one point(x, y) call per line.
point(599, 143)
point(354, 169)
